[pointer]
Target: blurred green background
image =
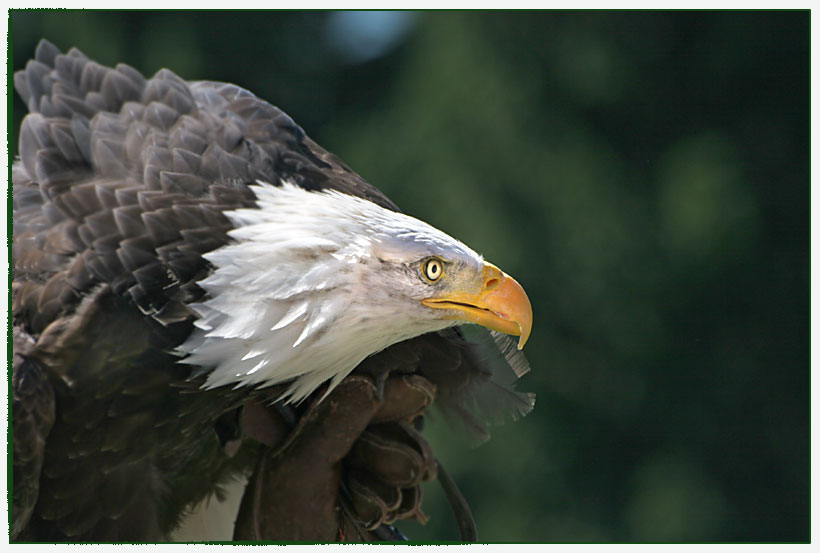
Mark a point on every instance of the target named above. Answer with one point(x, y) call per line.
point(644, 175)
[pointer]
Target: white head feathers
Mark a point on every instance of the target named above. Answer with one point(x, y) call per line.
point(313, 283)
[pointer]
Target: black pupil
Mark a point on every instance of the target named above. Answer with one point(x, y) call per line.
point(433, 269)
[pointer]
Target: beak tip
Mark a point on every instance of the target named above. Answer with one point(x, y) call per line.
point(522, 339)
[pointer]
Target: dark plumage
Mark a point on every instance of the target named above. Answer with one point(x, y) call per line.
point(120, 189)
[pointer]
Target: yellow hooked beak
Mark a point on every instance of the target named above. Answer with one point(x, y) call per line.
point(501, 304)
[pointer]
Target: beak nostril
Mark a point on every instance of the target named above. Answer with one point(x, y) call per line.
point(490, 284)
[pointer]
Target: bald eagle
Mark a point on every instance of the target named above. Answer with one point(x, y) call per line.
point(180, 248)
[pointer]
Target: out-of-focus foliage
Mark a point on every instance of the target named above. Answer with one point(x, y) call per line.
point(644, 175)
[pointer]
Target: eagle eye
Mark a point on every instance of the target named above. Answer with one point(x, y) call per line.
point(432, 269)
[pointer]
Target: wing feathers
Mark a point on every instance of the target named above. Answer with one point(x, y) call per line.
point(198, 143)
point(32, 418)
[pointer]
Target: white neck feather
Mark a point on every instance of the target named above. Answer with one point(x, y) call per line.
point(296, 297)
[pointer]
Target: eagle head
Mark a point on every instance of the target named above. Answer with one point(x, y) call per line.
point(312, 283)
